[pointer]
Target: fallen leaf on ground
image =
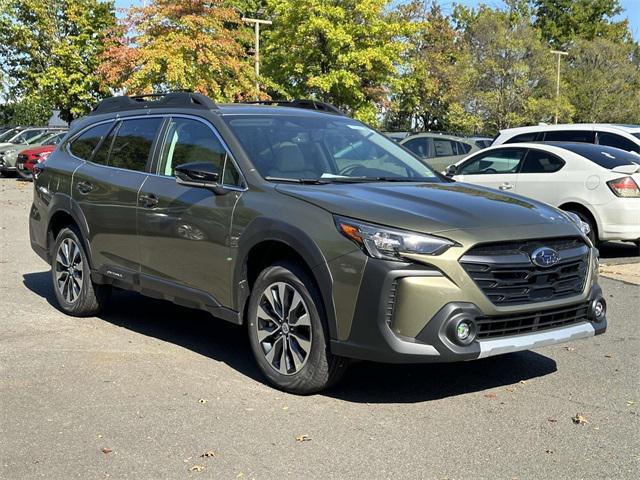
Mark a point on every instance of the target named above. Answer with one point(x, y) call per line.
point(510, 389)
point(579, 419)
point(569, 349)
point(107, 450)
point(303, 438)
point(552, 420)
point(523, 381)
point(209, 453)
point(630, 402)
point(608, 355)
point(202, 400)
point(548, 450)
point(285, 408)
point(490, 395)
point(197, 468)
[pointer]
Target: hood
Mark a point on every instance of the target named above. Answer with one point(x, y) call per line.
point(37, 150)
point(428, 207)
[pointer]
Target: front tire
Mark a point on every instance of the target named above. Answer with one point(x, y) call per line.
point(287, 331)
point(77, 295)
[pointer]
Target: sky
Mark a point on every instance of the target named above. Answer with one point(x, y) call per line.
point(631, 7)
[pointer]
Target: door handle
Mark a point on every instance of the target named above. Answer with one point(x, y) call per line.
point(506, 186)
point(148, 201)
point(84, 187)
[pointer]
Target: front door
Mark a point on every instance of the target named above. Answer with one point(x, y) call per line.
point(184, 231)
point(494, 169)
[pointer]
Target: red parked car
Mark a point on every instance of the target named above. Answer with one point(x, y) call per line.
point(27, 159)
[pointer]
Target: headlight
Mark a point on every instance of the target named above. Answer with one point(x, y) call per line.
point(388, 243)
point(583, 226)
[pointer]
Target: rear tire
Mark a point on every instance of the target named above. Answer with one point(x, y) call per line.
point(76, 293)
point(287, 331)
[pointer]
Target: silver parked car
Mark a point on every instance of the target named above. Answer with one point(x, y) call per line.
point(439, 151)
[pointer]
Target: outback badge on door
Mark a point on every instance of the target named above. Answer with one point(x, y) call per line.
point(545, 257)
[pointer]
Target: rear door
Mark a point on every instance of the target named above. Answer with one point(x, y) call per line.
point(106, 189)
point(495, 169)
point(540, 177)
point(184, 232)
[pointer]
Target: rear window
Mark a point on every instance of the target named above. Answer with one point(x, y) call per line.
point(83, 146)
point(606, 157)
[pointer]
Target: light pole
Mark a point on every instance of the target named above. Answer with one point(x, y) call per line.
point(257, 22)
point(559, 54)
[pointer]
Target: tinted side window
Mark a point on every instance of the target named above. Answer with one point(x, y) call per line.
point(583, 136)
point(83, 146)
point(444, 147)
point(617, 141)
point(463, 148)
point(497, 161)
point(538, 161)
point(523, 137)
point(101, 156)
point(132, 145)
point(191, 141)
point(419, 146)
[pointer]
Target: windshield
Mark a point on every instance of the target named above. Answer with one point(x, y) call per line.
point(324, 149)
point(8, 134)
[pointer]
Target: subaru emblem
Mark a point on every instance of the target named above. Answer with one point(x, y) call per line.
point(545, 257)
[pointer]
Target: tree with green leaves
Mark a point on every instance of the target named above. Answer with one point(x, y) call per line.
point(604, 79)
point(434, 76)
point(514, 81)
point(562, 22)
point(199, 45)
point(50, 50)
point(340, 52)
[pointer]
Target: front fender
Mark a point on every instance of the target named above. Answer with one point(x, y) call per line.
point(264, 229)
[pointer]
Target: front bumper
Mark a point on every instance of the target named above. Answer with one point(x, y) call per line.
point(5, 166)
point(404, 314)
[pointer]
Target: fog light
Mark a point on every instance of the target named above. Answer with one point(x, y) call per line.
point(463, 330)
point(598, 309)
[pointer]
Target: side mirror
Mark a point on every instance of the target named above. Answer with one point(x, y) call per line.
point(451, 171)
point(203, 175)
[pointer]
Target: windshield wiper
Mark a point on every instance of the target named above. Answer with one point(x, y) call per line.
point(305, 181)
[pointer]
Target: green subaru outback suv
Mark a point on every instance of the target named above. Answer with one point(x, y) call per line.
point(324, 238)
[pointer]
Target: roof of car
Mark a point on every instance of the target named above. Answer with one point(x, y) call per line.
point(436, 135)
point(251, 109)
point(573, 126)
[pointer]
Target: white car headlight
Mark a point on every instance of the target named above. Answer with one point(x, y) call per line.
point(388, 243)
point(583, 226)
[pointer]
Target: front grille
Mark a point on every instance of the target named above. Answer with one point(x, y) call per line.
point(503, 325)
point(507, 276)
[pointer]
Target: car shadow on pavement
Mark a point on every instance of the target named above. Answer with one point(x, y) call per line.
point(364, 382)
point(613, 250)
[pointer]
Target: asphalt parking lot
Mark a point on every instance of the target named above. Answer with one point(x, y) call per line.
point(149, 390)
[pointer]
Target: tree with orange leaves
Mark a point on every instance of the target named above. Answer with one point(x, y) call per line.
point(199, 45)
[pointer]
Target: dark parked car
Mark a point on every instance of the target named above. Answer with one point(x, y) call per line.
point(325, 239)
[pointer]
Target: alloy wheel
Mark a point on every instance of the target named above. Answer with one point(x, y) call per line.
point(283, 327)
point(69, 270)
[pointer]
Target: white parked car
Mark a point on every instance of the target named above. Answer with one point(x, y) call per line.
point(626, 137)
point(598, 183)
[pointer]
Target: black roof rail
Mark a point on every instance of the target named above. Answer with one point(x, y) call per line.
point(154, 100)
point(301, 103)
